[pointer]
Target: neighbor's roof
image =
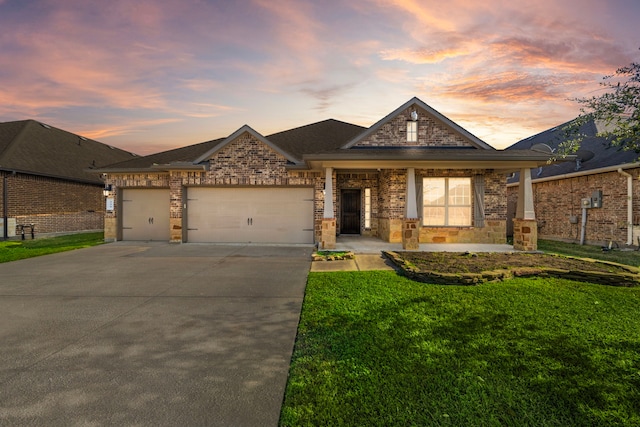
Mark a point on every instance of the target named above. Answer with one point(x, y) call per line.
point(594, 153)
point(28, 146)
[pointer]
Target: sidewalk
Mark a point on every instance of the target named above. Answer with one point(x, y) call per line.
point(368, 251)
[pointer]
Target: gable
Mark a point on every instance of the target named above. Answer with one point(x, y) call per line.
point(247, 157)
point(434, 130)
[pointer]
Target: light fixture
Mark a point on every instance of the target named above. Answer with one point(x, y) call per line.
point(414, 115)
point(106, 190)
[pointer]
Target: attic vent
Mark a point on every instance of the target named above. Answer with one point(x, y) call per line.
point(46, 126)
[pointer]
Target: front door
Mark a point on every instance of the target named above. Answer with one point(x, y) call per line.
point(350, 209)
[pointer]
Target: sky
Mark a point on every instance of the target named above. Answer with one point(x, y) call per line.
point(150, 75)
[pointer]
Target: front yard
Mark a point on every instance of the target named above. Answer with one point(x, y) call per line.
point(375, 348)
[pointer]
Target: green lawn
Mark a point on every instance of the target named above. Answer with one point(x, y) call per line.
point(375, 348)
point(13, 250)
point(586, 251)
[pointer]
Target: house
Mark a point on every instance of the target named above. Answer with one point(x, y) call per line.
point(602, 179)
point(45, 183)
point(414, 176)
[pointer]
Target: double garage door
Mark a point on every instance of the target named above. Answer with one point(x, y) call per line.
point(257, 215)
point(222, 215)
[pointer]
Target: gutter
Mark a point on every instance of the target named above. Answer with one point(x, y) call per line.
point(629, 205)
point(583, 173)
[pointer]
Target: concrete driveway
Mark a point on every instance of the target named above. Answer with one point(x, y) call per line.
point(149, 334)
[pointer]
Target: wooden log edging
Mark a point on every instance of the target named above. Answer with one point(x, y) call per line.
point(470, 279)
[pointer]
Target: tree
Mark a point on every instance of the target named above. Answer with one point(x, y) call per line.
point(618, 109)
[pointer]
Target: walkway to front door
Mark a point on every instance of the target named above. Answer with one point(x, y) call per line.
point(350, 212)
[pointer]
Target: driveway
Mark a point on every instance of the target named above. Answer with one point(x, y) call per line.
point(149, 334)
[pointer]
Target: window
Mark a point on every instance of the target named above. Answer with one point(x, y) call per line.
point(446, 201)
point(412, 131)
point(367, 208)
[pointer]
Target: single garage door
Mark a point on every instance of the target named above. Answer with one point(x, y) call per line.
point(257, 215)
point(145, 214)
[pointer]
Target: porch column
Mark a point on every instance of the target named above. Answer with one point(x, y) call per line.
point(411, 222)
point(328, 232)
point(525, 226)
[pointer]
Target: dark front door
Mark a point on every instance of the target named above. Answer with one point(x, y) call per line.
point(350, 208)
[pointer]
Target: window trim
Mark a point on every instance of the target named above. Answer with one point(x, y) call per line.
point(412, 131)
point(367, 208)
point(446, 204)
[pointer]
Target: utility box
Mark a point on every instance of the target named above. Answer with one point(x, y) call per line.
point(596, 199)
point(586, 203)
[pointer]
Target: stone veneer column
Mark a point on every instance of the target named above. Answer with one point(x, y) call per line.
point(525, 226)
point(525, 234)
point(411, 234)
point(328, 234)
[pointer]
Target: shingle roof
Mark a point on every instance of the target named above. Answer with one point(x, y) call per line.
point(595, 152)
point(313, 138)
point(183, 154)
point(316, 137)
point(31, 147)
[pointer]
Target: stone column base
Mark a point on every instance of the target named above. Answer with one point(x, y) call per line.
point(525, 234)
point(176, 230)
point(328, 234)
point(411, 234)
point(110, 229)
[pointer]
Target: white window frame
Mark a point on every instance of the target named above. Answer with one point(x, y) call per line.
point(367, 208)
point(412, 131)
point(446, 204)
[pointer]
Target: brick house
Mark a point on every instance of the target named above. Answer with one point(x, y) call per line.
point(559, 190)
point(414, 176)
point(45, 181)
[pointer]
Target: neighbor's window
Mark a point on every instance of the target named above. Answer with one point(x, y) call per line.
point(412, 131)
point(367, 208)
point(446, 201)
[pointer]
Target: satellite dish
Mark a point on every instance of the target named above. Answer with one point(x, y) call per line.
point(542, 148)
point(584, 155)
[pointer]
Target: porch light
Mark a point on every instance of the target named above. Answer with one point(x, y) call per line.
point(106, 190)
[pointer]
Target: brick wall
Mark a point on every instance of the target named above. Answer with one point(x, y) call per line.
point(431, 132)
point(559, 212)
point(53, 205)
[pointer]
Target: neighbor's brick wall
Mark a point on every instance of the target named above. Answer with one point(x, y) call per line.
point(557, 201)
point(431, 132)
point(53, 205)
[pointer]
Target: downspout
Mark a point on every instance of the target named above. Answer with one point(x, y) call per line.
point(629, 205)
point(583, 230)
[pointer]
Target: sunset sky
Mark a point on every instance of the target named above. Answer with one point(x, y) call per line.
point(150, 75)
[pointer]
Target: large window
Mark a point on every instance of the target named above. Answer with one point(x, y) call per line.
point(412, 131)
point(446, 201)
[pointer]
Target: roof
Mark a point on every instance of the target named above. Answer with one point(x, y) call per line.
point(36, 148)
point(595, 152)
point(318, 144)
point(425, 157)
point(293, 144)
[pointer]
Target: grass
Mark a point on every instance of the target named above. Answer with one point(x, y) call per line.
point(13, 250)
point(375, 348)
point(587, 251)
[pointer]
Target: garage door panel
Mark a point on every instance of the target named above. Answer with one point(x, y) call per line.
point(260, 215)
point(145, 214)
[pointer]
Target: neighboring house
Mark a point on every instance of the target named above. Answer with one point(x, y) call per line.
point(560, 189)
point(45, 182)
point(414, 176)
